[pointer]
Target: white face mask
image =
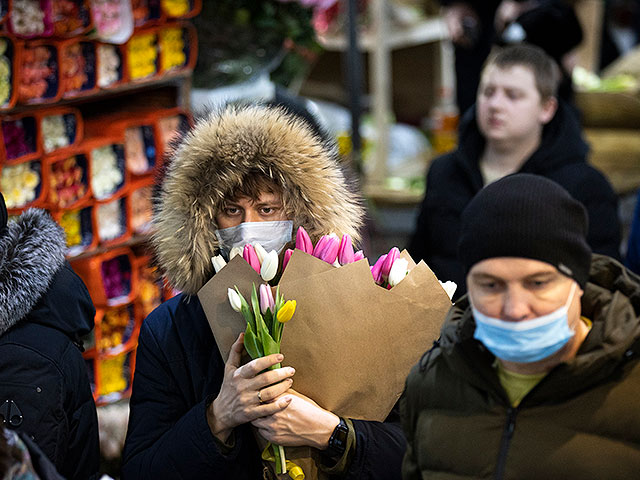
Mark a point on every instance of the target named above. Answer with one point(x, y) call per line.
point(271, 235)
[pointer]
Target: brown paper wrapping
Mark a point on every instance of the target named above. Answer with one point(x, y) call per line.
point(351, 341)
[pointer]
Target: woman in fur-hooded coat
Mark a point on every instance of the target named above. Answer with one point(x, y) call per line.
point(44, 310)
point(179, 370)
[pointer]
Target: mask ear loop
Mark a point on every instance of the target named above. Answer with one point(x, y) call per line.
point(571, 293)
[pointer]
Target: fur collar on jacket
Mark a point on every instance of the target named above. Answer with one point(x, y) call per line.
point(32, 250)
point(210, 163)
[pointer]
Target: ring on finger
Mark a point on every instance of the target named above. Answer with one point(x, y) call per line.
point(260, 397)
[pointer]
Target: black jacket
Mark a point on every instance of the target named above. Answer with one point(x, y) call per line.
point(179, 371)
point(580, 422)
point(453, 179)
point(44, 309)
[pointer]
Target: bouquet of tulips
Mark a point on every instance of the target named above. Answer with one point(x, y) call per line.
point(265, 321)
point(359, 328)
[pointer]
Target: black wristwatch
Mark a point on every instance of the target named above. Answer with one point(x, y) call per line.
point(338, 440)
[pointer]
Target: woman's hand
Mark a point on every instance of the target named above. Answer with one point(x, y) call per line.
point(247, 394)
point(302, 422)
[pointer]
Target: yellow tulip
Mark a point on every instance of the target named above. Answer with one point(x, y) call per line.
point(287, 311)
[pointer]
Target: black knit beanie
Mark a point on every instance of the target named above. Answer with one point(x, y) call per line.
point(3, 214)
point(527, 216)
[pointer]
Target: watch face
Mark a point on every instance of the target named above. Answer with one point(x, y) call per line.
point(338, 440)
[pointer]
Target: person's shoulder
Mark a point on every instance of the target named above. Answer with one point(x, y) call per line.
point(583, 180)
point(443, 164)
point(174, 314)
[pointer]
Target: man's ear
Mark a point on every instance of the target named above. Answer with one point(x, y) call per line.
point(549, 108)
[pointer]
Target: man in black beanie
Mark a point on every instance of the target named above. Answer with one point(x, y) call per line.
point(536, 373)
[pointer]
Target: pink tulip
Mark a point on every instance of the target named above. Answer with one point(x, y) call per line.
point(376, 270)
point(392, 256)
point(359, 255)
point(287, 257)
point(345, 250)
point(303, 242)
point(249, 254)
point(266, 299)
point(330, 252)
point(322, 243)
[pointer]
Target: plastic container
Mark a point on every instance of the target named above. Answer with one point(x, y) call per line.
point(150, 287)
point(24, 185)
point(112, 220)
point(110, 375)
point(71, 18)
point(140, 146)
point(146, 13)
point(39, 79)
point(61, 129)
point(112, 19)
point(69, 174)
point(109, 276)
point(78, 68)
point(78, 225)
point(116, 329)
point(9, 60)
point(181, 8)
point(178, 44)
point(139, 206)
point(142, 55)
point(23, 23)
point(111, 71)
point(108, 173)
point(20, 139)
point(171, 124)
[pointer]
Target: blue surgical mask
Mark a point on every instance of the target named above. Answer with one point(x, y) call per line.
point(528, 340)
point(271, 235)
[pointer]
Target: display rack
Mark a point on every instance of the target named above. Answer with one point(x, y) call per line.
point(85, 141)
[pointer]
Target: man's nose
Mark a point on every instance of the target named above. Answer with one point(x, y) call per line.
point(516, 305)
point(250, 215)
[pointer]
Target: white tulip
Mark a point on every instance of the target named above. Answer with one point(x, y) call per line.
point(269, 267)
point(260, 252)
point(234, 299)
point(218, 262)
point(235, 251)
point(398, 271)
point(449, 287)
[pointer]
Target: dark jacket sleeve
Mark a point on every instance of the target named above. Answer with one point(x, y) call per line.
point(166, 437)
point(380, 447)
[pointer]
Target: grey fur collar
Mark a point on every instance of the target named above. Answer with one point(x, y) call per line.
point(32, 250)
point(210, 164)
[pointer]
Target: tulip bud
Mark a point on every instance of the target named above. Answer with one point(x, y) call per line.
point(270, 266)
point(398, 271)
point(287, 257)
point(235, 251)
point(449, 287)
point(266, 299)
point(359, 255)
point(320, 246)
point(303, 241)
point(392, 256)
point(218, 262)
point(234, 299)
point(330, 252)
point(376, 270)
point(249, 254)
point(345, 250)
point(260, 252)
point(286, 312)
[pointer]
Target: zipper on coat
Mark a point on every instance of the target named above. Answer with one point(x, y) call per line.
point(507, 433)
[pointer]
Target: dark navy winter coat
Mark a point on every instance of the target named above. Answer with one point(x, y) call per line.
point(453, 179)
point(179, 371)
point(45, 309)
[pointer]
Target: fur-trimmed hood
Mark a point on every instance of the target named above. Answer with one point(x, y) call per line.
point(32, 255)
point(210, 164)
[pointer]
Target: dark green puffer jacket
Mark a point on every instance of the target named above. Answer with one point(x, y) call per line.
point(582, 421)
